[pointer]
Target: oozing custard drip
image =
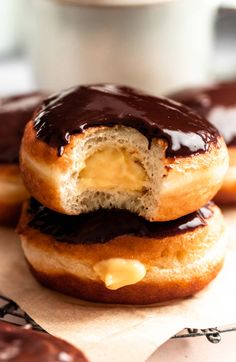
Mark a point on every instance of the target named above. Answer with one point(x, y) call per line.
point(17, 344)
point(76, 109)
point(103, 225)
point(15, 112)
point(217, 103)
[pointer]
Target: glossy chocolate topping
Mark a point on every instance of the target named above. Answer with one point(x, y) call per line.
point(104, 225)
point(217, 103)
point(76, 109)
point(15, 112)
point(21, 345)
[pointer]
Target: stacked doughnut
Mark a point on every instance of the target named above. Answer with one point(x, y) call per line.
point(15, 112)
point(217, 103)
point(120, 184)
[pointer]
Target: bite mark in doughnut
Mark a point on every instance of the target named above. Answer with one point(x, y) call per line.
point(114, 147)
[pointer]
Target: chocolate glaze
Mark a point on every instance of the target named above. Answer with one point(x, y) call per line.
point(15, 112)
point(217, 103)
point(21, 345)
point(104, 225)
point(76, 109)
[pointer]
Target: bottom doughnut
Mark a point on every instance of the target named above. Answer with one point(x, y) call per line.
point(118, 257)
point(12, 194)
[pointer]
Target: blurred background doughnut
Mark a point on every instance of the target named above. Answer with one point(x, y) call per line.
point(15, 112)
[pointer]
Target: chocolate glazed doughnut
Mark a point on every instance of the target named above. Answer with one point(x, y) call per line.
point(108, 146)
point(15, 112)
point(21, 345)
point(115, 256)
point(217, 103)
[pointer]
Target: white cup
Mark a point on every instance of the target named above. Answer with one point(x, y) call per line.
point(10, 27)
point(157, 47)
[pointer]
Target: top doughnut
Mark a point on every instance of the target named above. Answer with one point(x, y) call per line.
point(129, 149)
point(74, 110)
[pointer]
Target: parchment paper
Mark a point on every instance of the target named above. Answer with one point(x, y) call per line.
point(117, 333)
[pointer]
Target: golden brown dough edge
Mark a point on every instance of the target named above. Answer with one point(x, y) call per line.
point(140, 294)
point(227, 193)
point(12, 194)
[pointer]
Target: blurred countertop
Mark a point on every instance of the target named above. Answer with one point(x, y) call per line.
point(197, 349)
